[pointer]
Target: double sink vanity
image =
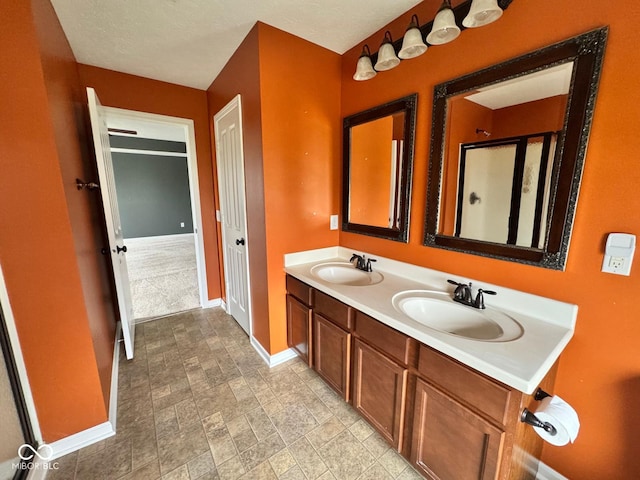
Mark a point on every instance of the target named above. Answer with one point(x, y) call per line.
point(443, 372)
point(443, 383)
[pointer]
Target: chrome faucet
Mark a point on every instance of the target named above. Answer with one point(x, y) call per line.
point(361, 263)
point(462, 294)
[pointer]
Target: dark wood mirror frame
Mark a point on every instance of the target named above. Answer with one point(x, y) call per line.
point(408, 106)
point(587, 51)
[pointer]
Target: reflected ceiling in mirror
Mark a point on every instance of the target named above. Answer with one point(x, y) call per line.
point(508, 146)
point(378, 158)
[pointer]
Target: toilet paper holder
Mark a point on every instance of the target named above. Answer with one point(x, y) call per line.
point(529, 417)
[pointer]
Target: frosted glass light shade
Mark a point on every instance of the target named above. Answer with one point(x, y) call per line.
point(444, 28)
point(482, 12)
point(364, 69)
point(386, 58)
point(412, 44)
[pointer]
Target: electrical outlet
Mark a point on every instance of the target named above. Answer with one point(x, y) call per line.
point(333, 223)
point(617, 265)
point(181, 224)
point(616, 262)
point(618, 254)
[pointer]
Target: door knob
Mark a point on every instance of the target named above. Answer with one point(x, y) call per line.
point(240, 241)
point(121, 249)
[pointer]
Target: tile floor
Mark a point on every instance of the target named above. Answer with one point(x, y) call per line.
point(197, 402)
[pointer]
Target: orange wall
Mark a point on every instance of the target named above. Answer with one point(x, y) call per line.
point(369, 167)
point(130, 92)
point(546, 115)
point(38, 244)
point(67, 107)
point(300, 90)
point(599, 370)
point(291, 126)
point(241, 75)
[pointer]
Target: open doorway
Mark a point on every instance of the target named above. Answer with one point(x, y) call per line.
point(155, 172)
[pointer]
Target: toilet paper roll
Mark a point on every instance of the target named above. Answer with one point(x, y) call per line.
point(562, 416)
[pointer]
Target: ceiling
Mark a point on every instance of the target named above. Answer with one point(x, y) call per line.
point(188, 42)
point(528, 88)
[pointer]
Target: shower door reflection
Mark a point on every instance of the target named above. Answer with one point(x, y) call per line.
point(503, 190)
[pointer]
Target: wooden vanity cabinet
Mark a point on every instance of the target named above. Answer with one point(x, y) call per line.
point(380, 357)
point(451, 442)
point(450, 421)
point(466, 425)
point(332, 323)
point(379, 391)
point(299, 305)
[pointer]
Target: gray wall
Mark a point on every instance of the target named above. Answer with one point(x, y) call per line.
point(153, 194)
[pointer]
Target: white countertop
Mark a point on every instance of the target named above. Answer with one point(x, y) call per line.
point(522, 363)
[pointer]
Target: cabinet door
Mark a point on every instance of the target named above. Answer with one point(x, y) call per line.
point(299, 328)
point(450, 442)
point(379, 390)
point(332, 354)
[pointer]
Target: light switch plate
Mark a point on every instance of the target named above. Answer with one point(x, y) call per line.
point(333, 222)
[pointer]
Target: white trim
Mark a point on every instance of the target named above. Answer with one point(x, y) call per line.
point(82, 439)
point(113, 394)
point(272, 360)
point(14, 340)
point(216, 302)
point(545, 472)
point(172, 236)
point(156, 153)
point(39, 472)
point(192, 163)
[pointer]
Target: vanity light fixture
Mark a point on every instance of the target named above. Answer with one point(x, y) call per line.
point(387, 58)
point(364, 69)
point(412, 44)
point(482, 12)
point(444, 28)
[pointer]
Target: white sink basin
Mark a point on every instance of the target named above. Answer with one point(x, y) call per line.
point(437, 310)
point(344, 273)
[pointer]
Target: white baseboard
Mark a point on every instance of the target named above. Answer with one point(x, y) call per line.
point(272, 360)
point(545, 472)
point(82, 439)
point(171, 236)
point(216, 302)
point(95, 434)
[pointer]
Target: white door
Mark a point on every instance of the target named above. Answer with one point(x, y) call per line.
point(112, 217)
point(489, 175)
point(230, 160)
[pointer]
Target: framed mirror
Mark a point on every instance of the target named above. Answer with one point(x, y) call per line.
point(507, 150)
point(377, 165)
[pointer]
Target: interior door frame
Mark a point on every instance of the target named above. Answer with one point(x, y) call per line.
point(194, 186)
point(233, 103)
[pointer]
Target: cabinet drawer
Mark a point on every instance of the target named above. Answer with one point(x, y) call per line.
point(301, 291)
point(390, 341)
point(483, 394)
point(334, 310)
